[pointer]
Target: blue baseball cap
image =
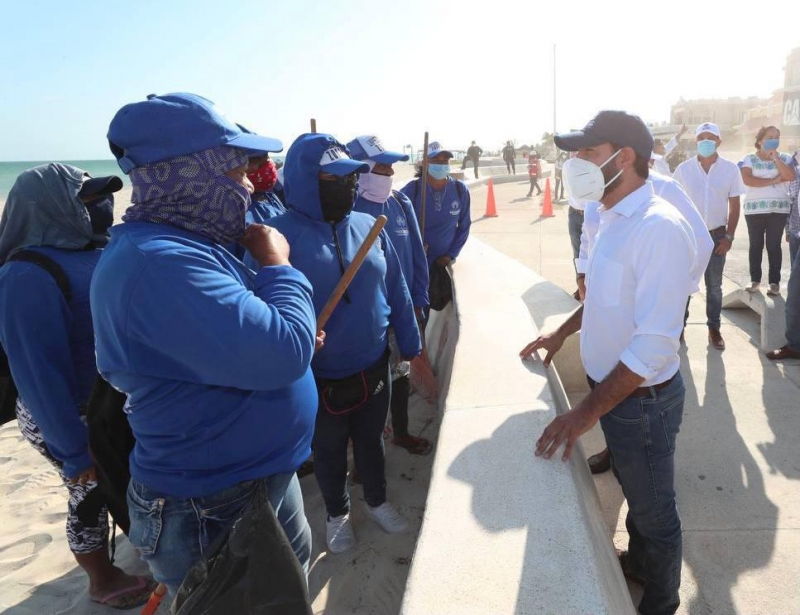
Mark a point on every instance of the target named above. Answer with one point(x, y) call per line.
point(369, 147)
point(617, 127)
point(336, 159)
point(177, 124)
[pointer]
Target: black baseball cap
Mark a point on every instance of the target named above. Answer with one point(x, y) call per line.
point(99, 186)
point(619, 127)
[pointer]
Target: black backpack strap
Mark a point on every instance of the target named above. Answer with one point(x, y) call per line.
point(49, 265)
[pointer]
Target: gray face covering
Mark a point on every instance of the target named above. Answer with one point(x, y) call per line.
point(43, 209)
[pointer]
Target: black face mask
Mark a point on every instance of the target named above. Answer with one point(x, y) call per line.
point(337, 197)
point(101, 213)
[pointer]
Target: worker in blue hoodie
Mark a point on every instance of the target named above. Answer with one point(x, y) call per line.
point(351, 370)
point(53, 227)
point(376, 197)
point(213, 356)
point(447, 215)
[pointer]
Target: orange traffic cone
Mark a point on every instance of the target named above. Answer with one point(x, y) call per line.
point(491, 210)
point(547, 206)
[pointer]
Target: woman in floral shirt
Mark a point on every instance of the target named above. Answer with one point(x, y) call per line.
point(766, 174)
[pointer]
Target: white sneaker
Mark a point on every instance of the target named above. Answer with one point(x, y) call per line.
point(385, 515)
point(774, 290)
point(339, 534)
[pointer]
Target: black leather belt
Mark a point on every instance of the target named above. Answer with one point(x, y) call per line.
point(641, 391)
point(717, 232)
point(580, 211)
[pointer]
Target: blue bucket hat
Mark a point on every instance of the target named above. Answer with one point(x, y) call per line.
point(178, 124)
point(369, 147)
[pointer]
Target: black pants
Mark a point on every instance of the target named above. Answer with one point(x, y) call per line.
point(474, 165)
point(401, 391)
point(770, 226)
point(511, 167)
point(534, 184)
point(559, 185)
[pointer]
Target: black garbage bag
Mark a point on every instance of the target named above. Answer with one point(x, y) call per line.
point(440, 289)
point(250, 569)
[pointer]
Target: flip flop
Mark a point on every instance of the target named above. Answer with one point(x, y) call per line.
point(139, 595)
point(414, 445)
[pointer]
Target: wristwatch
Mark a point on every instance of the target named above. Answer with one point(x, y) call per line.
point(729, 237)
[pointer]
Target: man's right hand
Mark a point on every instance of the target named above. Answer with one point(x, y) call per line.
point(267, 245)
point(551, 342)
point(581, 280)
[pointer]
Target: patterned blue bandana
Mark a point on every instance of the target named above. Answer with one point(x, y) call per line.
point(192, 192)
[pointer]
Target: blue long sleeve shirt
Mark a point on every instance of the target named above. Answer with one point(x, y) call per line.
point(50, 348)
point(214, 359)
point(403, 231)
point(447, 217)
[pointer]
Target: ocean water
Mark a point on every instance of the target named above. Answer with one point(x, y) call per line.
point(96, 168)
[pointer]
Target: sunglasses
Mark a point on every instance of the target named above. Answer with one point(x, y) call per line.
point(342, 180)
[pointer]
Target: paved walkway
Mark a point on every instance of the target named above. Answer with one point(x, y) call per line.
point(738, 459)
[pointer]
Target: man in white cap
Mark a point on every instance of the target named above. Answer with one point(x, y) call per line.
point(376, 197)
point(714, 184)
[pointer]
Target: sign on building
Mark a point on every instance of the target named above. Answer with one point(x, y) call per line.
point(791, 114)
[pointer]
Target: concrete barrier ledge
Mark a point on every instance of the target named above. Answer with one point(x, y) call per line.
point(504, 531)
point(772, 311)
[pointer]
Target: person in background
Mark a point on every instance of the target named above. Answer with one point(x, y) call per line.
point(714, 185)
point(791, 350)
point(661, 152)
point(473, 153)
point(559, 176)
point(766, 174)
point(265, 204)
point(447, 209)
point(53, 227)
point(534, 171)
point(630, 323)
point(509, 157)
point(352, 369)
point(376, 197)
point(213, 355)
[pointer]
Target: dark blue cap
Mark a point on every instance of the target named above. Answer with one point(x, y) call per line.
point(618, 127)
point(178, 124)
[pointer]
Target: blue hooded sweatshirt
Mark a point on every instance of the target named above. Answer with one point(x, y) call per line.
point(213, 356)
point(48, 339)
point(447, 218)
point(356, 334)
point(403, 230)
point(265, 205)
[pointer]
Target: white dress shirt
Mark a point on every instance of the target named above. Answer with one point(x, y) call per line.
point(636, 283)
point(710, 191)
point(671, 191)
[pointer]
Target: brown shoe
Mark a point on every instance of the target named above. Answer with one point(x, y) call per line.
point(599, 463)
point(626, 569)
point(784, 352)
point(715, 339)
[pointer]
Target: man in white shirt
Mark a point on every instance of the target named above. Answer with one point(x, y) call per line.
point(639, 272)
point(671, 191)
point(714, 184)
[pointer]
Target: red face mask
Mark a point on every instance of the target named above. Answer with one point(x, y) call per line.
point(264, 177)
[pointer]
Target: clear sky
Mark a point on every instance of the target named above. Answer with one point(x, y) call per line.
point(462, 70)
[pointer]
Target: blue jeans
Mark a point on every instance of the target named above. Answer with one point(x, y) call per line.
point(641, 434)
point(174, 533)
point(794, 244)
point(575, 223)
point(714, 287)
point(793, 299)
point(331, 436)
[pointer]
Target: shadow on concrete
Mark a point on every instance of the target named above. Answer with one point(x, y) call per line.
point(782, 455)
point(729, 523)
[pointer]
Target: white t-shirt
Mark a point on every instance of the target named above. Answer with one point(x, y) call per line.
point(766, 199)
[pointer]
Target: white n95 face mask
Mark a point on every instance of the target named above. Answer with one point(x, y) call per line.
point(585, 179)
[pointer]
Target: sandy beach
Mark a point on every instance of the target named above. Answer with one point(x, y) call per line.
point(38, 575)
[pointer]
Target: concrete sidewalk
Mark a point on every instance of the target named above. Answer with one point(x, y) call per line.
point(738, 461)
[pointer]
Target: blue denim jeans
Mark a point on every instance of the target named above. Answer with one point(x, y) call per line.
point(173, 533)
point(331, 436)
point(713, 276)
point(575, 224)
point(794, 244)
point(793, 300)
point(641, 434)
